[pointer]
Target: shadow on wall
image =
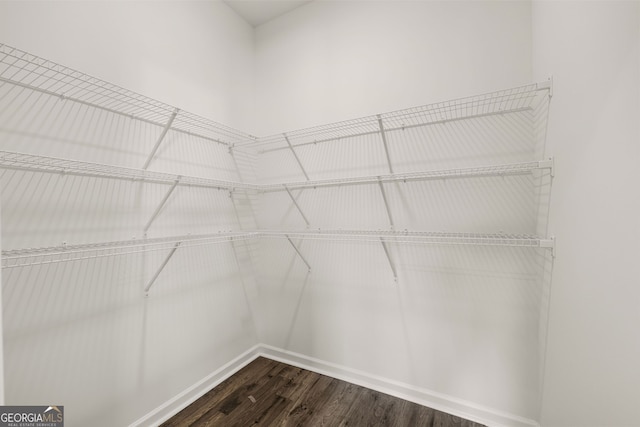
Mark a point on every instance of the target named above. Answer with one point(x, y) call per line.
point(458, 319)
point(72, 325)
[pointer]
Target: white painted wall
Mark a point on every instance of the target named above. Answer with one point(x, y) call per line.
point(1, 329)
point(336, 60)
point(82, 334)
point(196, 55)
point(461, 322)
point(593, 50)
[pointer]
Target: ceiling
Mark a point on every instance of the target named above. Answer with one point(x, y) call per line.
point(257, 12)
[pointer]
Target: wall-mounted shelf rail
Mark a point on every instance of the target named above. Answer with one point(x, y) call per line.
point(480, 171)
point(29, 72)
point(29, 162)
point(418, 237)
point(515, 100)
point(36, 256)
point(65, 253)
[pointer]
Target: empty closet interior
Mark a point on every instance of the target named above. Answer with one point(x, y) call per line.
point(412, 228)
point(435, 200)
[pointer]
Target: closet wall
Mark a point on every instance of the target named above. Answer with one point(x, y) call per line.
point(82, 333)
point(466, 323)
point(460, 321)
point(331, 61)
point(593, 50)
point(195, 55)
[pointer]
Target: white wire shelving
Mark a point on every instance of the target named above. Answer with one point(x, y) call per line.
point(66, 253)
point(22, 72)
point(27, 72)
point(44, 164)
point(514, 100)
point(416, 237)
point(480, 171)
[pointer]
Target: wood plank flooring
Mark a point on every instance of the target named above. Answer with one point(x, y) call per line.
point(270, 393)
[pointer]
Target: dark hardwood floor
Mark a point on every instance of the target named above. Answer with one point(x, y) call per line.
point(270, 393)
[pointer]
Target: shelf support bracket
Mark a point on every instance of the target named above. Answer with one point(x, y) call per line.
point(548, 164)
point(295, 203)
point(549, 244)
point(384, 141)
point(547, 84)
point(161, 205)
point(162, 266)
point(298, 252)
point(296, 156)
point(386, 252)
point(386, 203)
point(160, 138)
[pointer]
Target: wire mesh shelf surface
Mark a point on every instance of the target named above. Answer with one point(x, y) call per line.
point(495, 170)
point(418, 237)
point(21, 71)
point(514, 100)
point(65, 253)
point(29, 72)
point(28, 162)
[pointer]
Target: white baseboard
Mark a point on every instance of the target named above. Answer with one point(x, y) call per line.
point(171, 407)
point(432, 399)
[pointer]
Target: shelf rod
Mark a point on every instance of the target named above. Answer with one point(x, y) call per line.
point(160, 206)
point(393, 267)
point(384, 141)
point(38, 256)
point(25, 162)
point(296, 156)
point(295, 202)
point(160, 138)
point(397, 128)
point(164, 263)
point(107, 109)
point(298, 252)
point(386, 203)
point(479, 171)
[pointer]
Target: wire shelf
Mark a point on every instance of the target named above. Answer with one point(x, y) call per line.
point(518, 99)
point(495, 170)
point(29, 72)
point(28, 162)
point(417, 237)
point(65, 253)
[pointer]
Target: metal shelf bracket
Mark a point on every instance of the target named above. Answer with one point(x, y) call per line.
point(550, 164)
point(160, 138)
point(393, 267)
point(299, 253)
point(161, 205)
point(295, 203)
point(384, 141)
point(547, 84)
point(296, 156)
point(386, 203)
point(549, 243)
point(162, 266)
